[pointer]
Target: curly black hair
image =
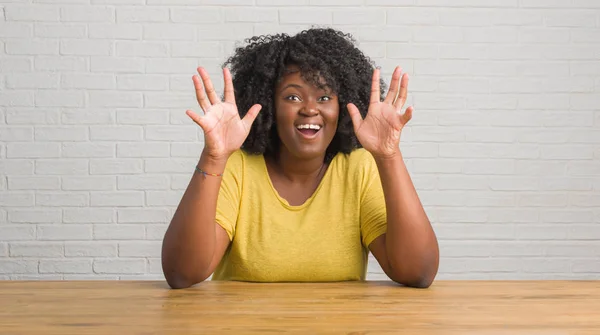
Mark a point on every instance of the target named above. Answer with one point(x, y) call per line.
point(327, 58)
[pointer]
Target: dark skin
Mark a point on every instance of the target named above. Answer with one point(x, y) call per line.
point(194, 244)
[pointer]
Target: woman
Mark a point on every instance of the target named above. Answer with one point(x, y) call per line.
point(301, 174)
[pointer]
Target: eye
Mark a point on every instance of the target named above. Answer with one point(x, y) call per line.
point(292, 97)
point(325, 98)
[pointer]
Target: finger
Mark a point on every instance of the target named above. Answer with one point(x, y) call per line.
point(200, 96)
point(210, 89)
point(394, 86)
point(407, 116)
point(196, 118)
point(401, 100)
point(354, 115)
point(375, 90)
point(229, 94)
point(251, 116)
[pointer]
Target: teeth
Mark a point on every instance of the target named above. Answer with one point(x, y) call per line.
point(309, 126)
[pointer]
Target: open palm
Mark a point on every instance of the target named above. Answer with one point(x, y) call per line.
point(224, 130)
point(379, 132)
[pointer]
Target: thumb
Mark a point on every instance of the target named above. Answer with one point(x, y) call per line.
point(251, 116)
point(354, 115)
point(196, 118)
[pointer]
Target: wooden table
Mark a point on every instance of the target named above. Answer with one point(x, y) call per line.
point(447, 307)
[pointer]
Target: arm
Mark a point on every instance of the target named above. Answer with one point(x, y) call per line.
point(408, 252)
point(194, 243)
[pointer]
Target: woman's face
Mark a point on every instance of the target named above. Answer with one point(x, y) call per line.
point(307, 116)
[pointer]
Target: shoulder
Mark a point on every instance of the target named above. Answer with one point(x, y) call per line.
point(359, 161)
point(240, 161)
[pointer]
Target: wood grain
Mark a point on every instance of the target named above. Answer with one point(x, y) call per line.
point(448, 307)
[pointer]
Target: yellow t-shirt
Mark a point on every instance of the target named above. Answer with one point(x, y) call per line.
point(324, 239)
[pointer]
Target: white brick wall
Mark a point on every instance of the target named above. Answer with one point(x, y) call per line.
point(96, 151)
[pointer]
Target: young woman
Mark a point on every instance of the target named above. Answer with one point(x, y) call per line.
point(301, 175)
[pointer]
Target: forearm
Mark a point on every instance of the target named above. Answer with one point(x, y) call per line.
point(411, 245)
point(190, 240)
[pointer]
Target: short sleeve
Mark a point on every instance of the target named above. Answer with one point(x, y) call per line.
point(228, 202)
point(373, 218)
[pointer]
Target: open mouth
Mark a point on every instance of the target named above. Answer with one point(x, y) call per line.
point(309, 130)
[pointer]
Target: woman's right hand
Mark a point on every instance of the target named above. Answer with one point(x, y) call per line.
point(224, 130)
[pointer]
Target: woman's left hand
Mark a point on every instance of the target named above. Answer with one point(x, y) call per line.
point(379, 132)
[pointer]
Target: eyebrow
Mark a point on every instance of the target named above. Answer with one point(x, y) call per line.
point(291, 85)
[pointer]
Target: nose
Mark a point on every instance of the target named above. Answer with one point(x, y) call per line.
point(310, 108)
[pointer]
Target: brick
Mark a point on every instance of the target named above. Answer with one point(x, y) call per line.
point(119, 266)
point(568, 152)
point(169, 32)
point(87, 14)
point(146, 149)
point(171, 165)
point(59, 98)
point(141, 49)
point(156, 231)
point(366, 16)
point(116, 65)
point(35, 215)
point(465, 85)
point(542, 200)
point(462, 183)
point(16, 167)
point(116, 166)
point(15, 133)
point(88, 150)
point(88, 81)
point(567, 216)
point(583, 168)
point(44, 277)
point(229, 31)
point(33, 150)
point(66, 266)
point(206, 15)
point(60, 30)
point(566, 184)
point(17, 98)
point(56, 199)
point(31, 13)
point(279, 3)
point(173, 66)
point(15, 30)
point(140, 249)
point(12, 198)
point(117, 199)
point(543, 136)
point(163, 198)
point(89, 277)
point(455, 215)
point(490, 135)
point(32, 80)
point(440, 34)
point(262, 15)
point(119, 232)
point(585, 35)
point(468, 3)
point(33, 183)
point(540, 168)
point(172, 133)
point(10, 266)
point(188, 150)
point(61, 63)
point(121, 31)
point(32, 116)
point(116, 133)
point(35, 47)
point(143, 215)
point(202, 49)
point(17, 232)
point(142, 14)
point(63, 166)
point(501, 183)
point(428, 165)
point(517, 249)
point(475, 231)
point(3, 249)
point(115, 99)
point(88, 116)
point(89, 183)
point(63, 133)
point(584, 231)
point(90, 249)
point(36, 249)
point(585, 265)
point(143, 82)
point(60, 232)
point(143, 182)
point(443, 198)
point(89, 215)
point(142, 117)
point(154, 266)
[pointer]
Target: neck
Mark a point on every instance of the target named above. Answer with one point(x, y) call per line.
point(297, 170)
